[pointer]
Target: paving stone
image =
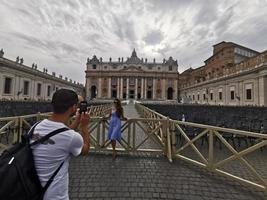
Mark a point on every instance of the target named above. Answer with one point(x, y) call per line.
point(177, 182)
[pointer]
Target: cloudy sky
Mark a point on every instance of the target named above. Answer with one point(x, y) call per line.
point(61, 34)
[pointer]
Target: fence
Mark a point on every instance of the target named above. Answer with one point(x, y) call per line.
point(165, 134)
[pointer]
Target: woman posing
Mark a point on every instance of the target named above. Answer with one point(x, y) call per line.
point(114, 131)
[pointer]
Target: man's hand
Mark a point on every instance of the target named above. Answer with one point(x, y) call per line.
point(74, 125)
point(84, 120)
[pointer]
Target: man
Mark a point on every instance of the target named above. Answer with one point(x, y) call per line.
point(57, 149)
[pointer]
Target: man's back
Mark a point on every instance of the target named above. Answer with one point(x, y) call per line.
point(52, 153)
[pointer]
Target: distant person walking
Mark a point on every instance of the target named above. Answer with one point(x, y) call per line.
point(183, 117)
point(114, 131)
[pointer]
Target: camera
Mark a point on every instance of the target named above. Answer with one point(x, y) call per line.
point(83, 107)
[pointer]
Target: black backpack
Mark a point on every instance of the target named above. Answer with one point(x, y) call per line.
point(18, 177)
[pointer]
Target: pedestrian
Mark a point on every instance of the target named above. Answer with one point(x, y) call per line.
point(114, 131)
point(183, 117)
point(58, 149)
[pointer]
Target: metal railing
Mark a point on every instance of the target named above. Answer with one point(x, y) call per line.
point(12, 128)
point(16, 126)
point(210, 160)
point(132, 131)
point(162, 134)
point(100, 110)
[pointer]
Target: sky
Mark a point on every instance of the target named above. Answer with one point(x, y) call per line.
point(61, 34)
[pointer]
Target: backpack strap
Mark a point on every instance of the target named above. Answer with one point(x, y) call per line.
point(30, 133)
point(52, 178)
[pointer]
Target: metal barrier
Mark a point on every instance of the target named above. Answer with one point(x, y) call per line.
point(131, 131)
point(100, 110)
point(163, 132)
point(213, 134)
point(11, 128)
point(17, 126)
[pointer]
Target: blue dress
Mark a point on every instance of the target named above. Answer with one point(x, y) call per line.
point(114, 130)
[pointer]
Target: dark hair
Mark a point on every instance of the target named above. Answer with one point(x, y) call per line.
point(119, 108)
point(63, 99)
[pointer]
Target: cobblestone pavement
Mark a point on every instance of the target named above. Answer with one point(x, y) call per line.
point(147, 176)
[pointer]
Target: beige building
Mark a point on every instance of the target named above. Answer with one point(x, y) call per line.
point(133, 78)
point(238, 80)
point(20, 82)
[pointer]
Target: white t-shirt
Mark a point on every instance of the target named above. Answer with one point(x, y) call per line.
point(52, 153)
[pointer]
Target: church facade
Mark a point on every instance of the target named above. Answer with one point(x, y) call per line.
point(133, 78)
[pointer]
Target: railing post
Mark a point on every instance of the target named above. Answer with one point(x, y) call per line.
point(16, 131)
point(164, 131)
point(173, 137)
point(103, 131)
point(169, 148)
point(98, 134)
point(134, 138)
point(38, 117)
point(129, 134)
point(20, 129)
point(211, 151)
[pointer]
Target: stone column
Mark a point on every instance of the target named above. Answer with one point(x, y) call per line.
point(127, 88)
point(121, 88)
point(142, 88)
point(255, 93)
point(109, 87)
point(33, 90)
point(264, 99)
point(176, 89)
point(136, 88)
point(118, 87)
point(99, 89)
point(262, 91)
point(145, 88)
point(163, 92)
point(225, 95)
point(154, 89)
point(240, 93)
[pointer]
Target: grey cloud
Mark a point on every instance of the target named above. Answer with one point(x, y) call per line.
point(94, 40)
point(69, 19)
point(25, 12)
point(69, 49)
point(206, 13)
point(225, 21)
point(167, 5)
point(153, 37)
point(32, 41)
point(73, 4)
point(124, 27)
point(49, 46)
point(201, 32)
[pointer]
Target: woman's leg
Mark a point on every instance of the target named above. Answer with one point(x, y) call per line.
point(113, 143)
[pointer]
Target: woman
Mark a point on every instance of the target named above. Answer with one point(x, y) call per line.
point(114, 131)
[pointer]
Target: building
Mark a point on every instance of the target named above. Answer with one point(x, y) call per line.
point(233, 75)
point(20, 82)
point(133, 78)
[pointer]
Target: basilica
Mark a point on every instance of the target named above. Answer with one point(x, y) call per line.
point(133, 78)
